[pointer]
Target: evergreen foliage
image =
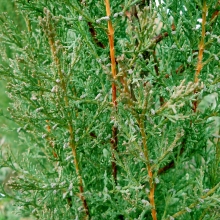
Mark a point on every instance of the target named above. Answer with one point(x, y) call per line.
point(118, 106)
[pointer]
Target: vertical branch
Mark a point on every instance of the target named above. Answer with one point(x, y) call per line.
point(201, 44)
point(201, 49)
point(27, 20)
point(149, 169)
point(114, 140)
point(50, 32)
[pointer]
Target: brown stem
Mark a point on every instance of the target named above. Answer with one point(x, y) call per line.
point(114, 140)
point(160, 37)
point(199, 65)
point(93, 31)
point(71, 143)
point(149, 169)
point(215, 15)
point(94, 35)
point(201, 44)
point(156, 66)
point(180, 69)
point(49, 30)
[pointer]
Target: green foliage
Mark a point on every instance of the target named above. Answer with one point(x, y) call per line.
point(167, 124)
point(8, 134)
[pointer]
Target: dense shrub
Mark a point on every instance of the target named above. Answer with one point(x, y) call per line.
point(118, 107)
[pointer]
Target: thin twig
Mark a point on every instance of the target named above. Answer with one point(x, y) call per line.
point(50, 140)
point(201, 44)
point(149, 169)
point(93, 31)
point(193, 205)
point(70, 127)
point(215, 14)
point(199, 65)
point(114, 140)
point(94, 35)
point(160, 37)
point(49, 30)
